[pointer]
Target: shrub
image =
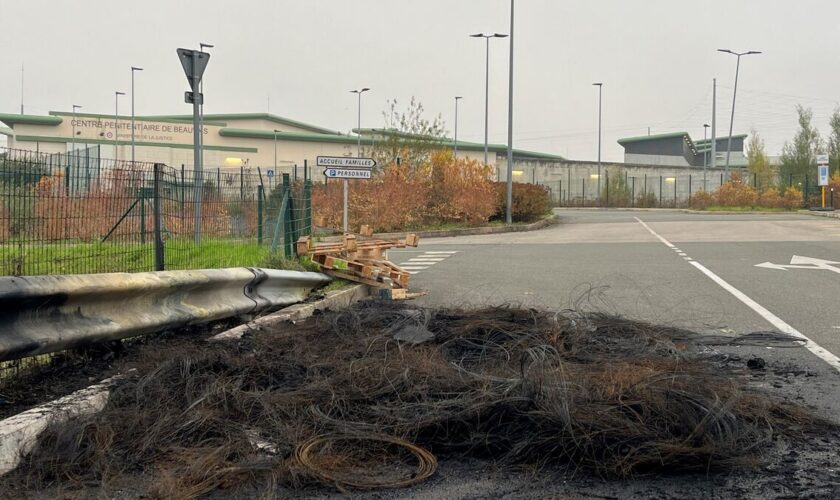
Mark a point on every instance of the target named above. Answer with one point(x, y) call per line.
point(771, 198)
point(530, 202)
point(647, 199)
point(737, 193)
point(793, 198)
point(443, 190)
point(702, 200)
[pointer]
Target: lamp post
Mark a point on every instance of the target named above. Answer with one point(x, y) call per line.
point(275, 151)
point(75, 107)
point(117, 95)
point(509, 204)
point(705, 152)
point(133, 70)
point(359, 93)
point(600, 87)
point(487, 81)
point(457, 98)
point(734, 92)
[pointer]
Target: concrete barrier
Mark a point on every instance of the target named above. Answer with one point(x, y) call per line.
point(42, 314)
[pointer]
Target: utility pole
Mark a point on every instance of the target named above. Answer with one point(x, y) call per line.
point(714, 129)
point(509, 207)
point(455, 153)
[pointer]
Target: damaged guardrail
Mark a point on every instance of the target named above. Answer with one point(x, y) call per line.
point(43, 314)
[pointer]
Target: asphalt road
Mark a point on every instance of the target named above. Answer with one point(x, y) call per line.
point(621, 262)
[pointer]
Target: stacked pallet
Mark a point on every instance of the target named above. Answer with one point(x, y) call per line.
point(361, 260)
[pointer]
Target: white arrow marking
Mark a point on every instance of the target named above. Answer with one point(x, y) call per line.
point(800, 262)
point(798, 259)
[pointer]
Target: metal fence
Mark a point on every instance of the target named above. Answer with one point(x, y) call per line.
point(60, 216)
point(619, 189)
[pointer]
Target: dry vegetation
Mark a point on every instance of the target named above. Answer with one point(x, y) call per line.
point(371, 397)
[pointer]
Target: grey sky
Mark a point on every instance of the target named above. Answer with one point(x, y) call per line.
point(656, 58)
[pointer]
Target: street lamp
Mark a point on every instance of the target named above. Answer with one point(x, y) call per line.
point(487, 81)
point(117, 95)
point(734, 92)
point(133, 70)
point(275, 151)
point(359, 92)
point(75, 107)
point(457, 98)
point(600, 86)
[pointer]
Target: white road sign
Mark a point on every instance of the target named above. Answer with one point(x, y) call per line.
point(823, 174)
point(345, 162)
point(822, 159)
point(347, 173)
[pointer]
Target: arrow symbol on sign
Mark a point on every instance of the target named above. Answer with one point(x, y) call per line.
point(800, 262)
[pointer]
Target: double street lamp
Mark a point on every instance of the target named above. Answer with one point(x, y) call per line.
point(487, 38)
point(133, 70)
point(734, 92)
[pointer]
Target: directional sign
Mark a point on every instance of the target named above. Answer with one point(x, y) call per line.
point(800, 262)
point(347, 173)
point(822, 159)
point(194, 63)
point(823, 174)
point(345, 162)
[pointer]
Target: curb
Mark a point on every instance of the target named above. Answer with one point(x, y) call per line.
point(830, 215)
point(334, 300)
point(467, 231)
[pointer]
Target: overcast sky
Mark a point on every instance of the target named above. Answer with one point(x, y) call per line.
point(299, 59)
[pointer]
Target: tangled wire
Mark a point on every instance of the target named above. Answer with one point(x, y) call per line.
point(388, 387)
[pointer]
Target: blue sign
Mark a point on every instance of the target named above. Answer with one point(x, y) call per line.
point(270, 173)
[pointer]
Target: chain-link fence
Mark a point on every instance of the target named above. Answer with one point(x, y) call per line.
point(620, 189)
point(59, 215)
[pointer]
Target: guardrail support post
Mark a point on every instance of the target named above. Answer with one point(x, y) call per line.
point(158, 216)
point(259, 214)
point(307, 204)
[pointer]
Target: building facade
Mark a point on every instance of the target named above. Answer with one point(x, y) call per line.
point(679, 150)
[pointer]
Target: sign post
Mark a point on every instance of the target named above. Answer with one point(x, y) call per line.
point(194, 63)
point(340, 167)
point(822, 169)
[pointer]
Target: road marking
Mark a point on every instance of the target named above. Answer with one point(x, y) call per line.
point(425, 260)
point(800, 262)
point(774, 320)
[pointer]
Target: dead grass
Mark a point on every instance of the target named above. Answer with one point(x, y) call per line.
point(587, 392)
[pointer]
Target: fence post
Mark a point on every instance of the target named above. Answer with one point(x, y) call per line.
point(660, 190)
point(307, 204)
point(259, 214)
point(560, 193)
point(306, 176)
point(241, 183)
point(689, 190)
point(288, 229)
point(675, 191)
point(583, 192)
point(633, 194)
point(158, 216)
point(607, 179)
point(142, 196)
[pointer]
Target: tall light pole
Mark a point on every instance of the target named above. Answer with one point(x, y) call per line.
point(487, 81)
point(75, 107)
point(133, 70)
point(457, 98)
point(706, 149)
point(117, 95)
point(600, 88)
point(275, 151)
point(359, 93)
point(713, 161)
point(509, 204)
point(734, 92)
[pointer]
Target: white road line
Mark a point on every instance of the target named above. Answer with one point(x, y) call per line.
point(450, 253)
point(413, 268)
point(774, 320)
point(419, 259)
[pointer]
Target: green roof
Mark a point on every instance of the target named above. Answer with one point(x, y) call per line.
point(255, 116)
point(12, 120)
point(654, 137)
point(136, 118)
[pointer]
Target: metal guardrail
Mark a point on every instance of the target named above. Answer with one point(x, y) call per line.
point(43, 314)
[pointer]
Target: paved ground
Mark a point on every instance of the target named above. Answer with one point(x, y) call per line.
point(707, 279)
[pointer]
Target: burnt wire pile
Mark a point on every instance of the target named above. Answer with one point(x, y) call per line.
point(373, 396)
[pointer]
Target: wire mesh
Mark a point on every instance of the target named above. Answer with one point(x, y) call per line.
point(67, 214)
